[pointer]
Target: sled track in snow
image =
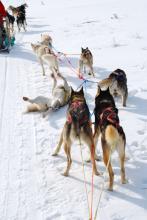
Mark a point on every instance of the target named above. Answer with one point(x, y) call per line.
point(4, 94)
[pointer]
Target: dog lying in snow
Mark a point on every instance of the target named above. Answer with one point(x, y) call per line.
point(60, 97)
point(45, 54)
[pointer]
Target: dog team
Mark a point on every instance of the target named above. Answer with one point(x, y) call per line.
point(18, 14)
point(78, 124)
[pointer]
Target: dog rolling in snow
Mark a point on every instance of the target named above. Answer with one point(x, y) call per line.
point(45, 54)
point(86, 61)
point(117, 83)
point(77, 126)
point(112, 134)
point(60, 97)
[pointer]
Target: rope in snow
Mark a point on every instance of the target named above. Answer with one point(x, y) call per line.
point(83, 169)
point(102, 187)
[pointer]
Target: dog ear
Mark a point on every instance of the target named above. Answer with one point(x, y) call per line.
point(87, 48)
point(81, 91)
point(108, 90)
point(82, 49)
point(72, 91)
point(98, 90)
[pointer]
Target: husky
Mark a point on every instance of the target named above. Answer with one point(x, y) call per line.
point(117, 82)
point(11, 20)
point(21, 21)
point(60, 97)
point(86, 61)
point(46, 40)
point(16, 10)
point(77, 126)
point(45, 54)
point(112, 134)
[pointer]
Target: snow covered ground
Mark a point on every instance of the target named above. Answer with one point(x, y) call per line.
point(31, 184)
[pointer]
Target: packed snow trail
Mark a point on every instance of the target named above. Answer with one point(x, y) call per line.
point(31, 184)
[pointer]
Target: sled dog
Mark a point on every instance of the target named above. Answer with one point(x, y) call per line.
point(46, 40)
point(77, 126)
point(86, 61)
point(112, 134)
point(45, 54)
point(60, 97)
point(117, 83)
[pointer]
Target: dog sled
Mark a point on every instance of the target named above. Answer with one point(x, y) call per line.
point(8, 38)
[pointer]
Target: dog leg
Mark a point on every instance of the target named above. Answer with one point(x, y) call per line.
point(67, 149)
point(47, 112)
point(124, 99)
point(96, 136)
point(106, 158)
point(58, 146)
point(121, 152)
point(91, 70)
point(80, 67)
point(24, 27)
point(90, 143)
point(41, 63)
point(54, 83)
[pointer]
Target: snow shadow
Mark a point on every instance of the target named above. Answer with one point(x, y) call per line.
point(20, 53)
point(73, 62)
point(137, 105)
point(138, 195)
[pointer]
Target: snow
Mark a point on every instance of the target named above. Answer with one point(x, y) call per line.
point(31, 184)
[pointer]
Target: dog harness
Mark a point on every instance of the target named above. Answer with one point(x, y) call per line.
point(77, 108)
point(109, 115)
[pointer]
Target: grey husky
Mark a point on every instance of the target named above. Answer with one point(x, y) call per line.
point(117, 83)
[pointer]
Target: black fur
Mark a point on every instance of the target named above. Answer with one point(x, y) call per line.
point(78, 111)
point(11, 18)
point(21, 21)
point(102, 102)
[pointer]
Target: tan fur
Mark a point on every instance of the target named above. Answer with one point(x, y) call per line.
point(46, 40)
point(69, 135)
point(105, 83)
point(33, 108)
point(86, 61)
point(43, 55)
point(111, 136)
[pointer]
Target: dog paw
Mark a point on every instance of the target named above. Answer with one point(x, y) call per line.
point(88, 160)
point(125, 181)
point(65, 174)
point(98, 158)
point(54, 154)
point(43, 115)
point(110, 189)
point(97, 173)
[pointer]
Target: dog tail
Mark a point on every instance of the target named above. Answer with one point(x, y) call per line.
point(111, 136)
point(25, 98)
point(105, 82)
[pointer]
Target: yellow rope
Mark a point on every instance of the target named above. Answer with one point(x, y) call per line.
point(102, 188)
point(83, 169)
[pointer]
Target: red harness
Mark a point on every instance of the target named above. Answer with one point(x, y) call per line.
point(76, 107)
point(109, 115)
